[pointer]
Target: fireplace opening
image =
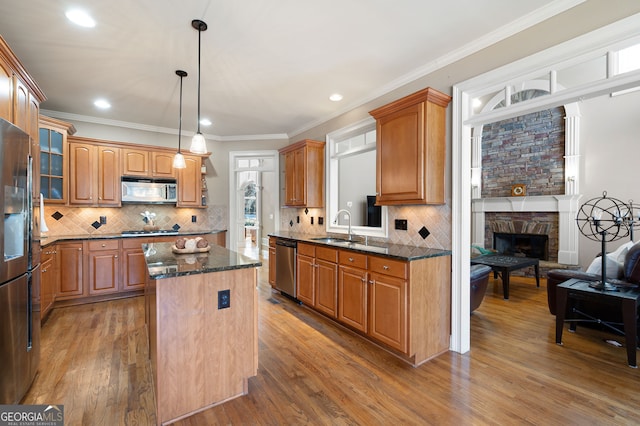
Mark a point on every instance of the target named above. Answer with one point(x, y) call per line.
point(522, 245)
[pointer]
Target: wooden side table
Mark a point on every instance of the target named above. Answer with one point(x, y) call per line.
point(626, 299)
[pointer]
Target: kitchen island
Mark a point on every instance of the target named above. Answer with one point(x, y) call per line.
point(202, 320)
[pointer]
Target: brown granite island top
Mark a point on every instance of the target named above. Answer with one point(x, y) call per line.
point(164, 263)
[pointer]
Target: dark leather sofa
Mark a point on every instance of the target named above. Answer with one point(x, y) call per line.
point(630, 277)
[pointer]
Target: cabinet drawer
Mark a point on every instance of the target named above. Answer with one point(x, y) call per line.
point(328, 254)
point(134, 243)
point(350, 258)
point(386, 266)
point(307, 249)
point(103, 245)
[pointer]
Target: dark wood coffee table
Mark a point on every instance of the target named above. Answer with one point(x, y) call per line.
point(504, 265)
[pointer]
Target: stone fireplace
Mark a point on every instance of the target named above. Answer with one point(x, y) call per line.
point(553, 216)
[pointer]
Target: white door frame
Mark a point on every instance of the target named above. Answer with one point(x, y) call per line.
point(233, 156)
point(598, 42)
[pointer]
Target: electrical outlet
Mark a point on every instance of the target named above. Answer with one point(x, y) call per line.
point(401, 224)
point(312, 220)
point(321, 221)
point(297, 219)
point(194, 219)
point(224, 299)
point(103, 220)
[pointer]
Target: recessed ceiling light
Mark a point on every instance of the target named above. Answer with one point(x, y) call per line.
point(102, 104)
point(336, 97)
point(80, 17)
point(206, 122)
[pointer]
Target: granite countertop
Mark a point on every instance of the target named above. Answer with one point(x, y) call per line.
point(396, 251)
point(162, 262)
point(46, 241)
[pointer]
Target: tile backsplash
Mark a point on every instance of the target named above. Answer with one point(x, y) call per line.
point(62, 220)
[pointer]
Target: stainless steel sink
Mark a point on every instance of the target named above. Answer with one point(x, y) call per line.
point(330, 240)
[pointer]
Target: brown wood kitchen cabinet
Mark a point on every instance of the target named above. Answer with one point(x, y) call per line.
point(94, 174)
point(411, 149)
point(272, 261)
point(317, 278)
point(373, 297)
point(104, 266)
point(69, 257)
point(162, 164)
point(135, 162)
point(53, 159)
point(304, 174)
point(134, 266)
point(48, 280)
point(190, 183)
point(353, 290)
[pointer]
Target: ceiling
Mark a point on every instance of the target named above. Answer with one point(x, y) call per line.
point(268, 67)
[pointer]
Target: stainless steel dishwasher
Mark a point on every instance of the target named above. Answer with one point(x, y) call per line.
point(286, 267)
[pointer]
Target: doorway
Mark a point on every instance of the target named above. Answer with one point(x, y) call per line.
point(254, 198)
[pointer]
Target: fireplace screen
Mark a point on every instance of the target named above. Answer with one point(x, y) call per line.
point(522, 245)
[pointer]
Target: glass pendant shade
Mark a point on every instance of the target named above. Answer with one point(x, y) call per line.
point(178, 161)
point(198, 144)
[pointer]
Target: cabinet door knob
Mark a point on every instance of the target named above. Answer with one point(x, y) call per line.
point(79, 248)
point(370, 281)
point(116, 256)
point(104, 245)
point(351, 259)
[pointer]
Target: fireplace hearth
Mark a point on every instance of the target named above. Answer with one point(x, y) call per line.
point(522, 245)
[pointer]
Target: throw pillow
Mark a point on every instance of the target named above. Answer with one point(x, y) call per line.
point(614, 269)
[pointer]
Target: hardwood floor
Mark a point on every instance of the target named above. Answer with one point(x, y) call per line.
point(94, 361)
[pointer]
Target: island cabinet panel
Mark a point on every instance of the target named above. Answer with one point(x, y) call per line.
point(71, 270)
point(201, 355)
point(411, 149)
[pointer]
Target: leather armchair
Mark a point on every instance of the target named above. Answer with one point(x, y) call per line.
point(631, 277)
point(479, 277)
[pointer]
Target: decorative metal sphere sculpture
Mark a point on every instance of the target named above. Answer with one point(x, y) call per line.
point(604, 219)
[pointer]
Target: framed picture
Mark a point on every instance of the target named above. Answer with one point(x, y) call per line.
point(518, 190)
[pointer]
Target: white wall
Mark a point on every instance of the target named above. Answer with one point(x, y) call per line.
point(610, 156)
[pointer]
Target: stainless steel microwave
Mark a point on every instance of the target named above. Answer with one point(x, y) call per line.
point(149, 191)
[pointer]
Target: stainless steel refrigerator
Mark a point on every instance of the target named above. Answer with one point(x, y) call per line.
point(19, 268)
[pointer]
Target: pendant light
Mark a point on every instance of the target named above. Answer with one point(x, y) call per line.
point(198, 145)
point(178, 160)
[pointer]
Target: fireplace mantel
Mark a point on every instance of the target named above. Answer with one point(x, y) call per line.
point(565, 205)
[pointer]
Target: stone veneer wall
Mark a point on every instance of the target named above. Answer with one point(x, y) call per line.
point(435, 219)
point(524, 150)
point(63, 220)
point(551, 219)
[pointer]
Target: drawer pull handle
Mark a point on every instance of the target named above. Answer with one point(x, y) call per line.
point(370, 281)
point(351, 259)
point(385, 267)
point(104, 245)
